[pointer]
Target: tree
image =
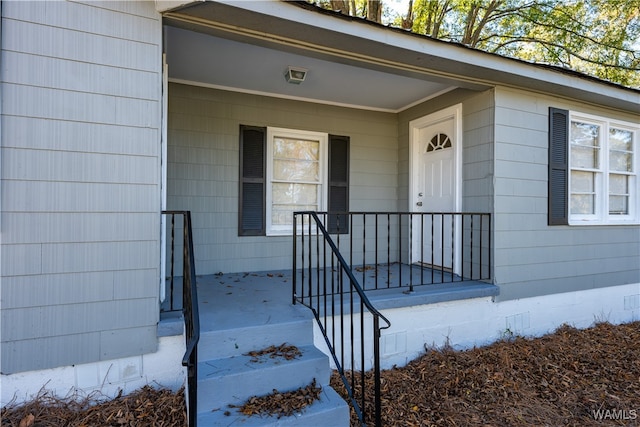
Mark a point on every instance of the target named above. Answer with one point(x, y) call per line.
point(596, 37)
point(369, 9)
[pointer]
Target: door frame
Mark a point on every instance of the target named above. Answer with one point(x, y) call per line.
point(454, 112)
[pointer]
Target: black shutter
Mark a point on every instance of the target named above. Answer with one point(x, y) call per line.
point(251, 214)
point(338, 184)
point(558, 207)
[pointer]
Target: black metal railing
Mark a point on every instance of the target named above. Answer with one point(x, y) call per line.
point(189, 307)
point(172, 303)
point(342, 311)
point(407, 249)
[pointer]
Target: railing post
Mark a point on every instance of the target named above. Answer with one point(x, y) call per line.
point(376, 371)
point(173, 247)
point(410, 260)
point(294, 275)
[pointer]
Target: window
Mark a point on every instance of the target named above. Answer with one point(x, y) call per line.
point(296, 176)
point(286, 170)
point(593, 167)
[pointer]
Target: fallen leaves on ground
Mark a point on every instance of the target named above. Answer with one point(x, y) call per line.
point(145, 407)
point(572, 377)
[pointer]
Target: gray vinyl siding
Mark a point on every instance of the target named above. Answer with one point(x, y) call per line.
point(204, 159)
point(81, 111)
point(477, 156)
point(532, 258)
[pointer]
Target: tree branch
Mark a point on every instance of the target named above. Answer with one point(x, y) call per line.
point(570, 52)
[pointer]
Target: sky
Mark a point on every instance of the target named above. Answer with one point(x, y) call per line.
point(398, 7)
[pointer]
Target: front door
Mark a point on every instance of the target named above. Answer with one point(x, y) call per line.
point(435, 149)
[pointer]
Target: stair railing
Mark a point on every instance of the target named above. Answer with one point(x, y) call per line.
point(329, 288)
point(189, 309)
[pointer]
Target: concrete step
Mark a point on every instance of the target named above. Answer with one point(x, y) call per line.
point(238, 341)
point(329, 410)
point(233, 380)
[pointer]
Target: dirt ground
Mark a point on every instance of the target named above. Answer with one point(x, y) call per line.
point(569, 378)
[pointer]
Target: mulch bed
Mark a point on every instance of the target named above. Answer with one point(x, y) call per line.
point(569, 378)
point(146, 407)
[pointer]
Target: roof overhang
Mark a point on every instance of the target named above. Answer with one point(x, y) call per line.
point(242, 45)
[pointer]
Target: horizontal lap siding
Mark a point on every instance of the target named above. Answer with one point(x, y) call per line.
point(532, 258)
point(204, 161)
point(477, 156)
point(81, 90)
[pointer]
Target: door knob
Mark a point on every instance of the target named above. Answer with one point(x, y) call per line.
point(419, 204)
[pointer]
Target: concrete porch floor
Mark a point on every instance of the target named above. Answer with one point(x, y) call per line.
point(231, 300)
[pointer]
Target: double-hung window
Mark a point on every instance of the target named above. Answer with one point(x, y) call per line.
point(296, 176)
point(286, 170)
point(600, 171)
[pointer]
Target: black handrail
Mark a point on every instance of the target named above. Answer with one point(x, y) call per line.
point(189, 310)
point(355, 387)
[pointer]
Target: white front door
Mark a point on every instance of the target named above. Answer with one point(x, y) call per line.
point(435, 150)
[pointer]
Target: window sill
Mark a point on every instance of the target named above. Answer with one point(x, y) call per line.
point(602, 223)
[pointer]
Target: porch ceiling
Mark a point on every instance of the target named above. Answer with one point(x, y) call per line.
point(204, 46)
point(247, 45)
point(217, 62)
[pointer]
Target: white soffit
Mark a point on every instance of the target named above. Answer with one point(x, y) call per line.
point(405, 60)
point(212, 61)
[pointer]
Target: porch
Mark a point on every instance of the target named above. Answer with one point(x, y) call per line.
point(239, 313)
point(228, 300)
point(244, 312)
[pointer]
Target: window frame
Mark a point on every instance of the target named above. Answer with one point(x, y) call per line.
point(321, 197)
point(603, 172)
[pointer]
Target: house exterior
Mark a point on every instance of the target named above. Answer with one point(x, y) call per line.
point(114, 111)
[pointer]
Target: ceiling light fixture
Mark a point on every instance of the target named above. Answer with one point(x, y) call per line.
point(295, 75)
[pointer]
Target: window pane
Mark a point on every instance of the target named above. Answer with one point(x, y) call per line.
point(295, 194)
point(583, 188)
point(620, 161)
point(584, 157)
point(586, 134)
point(585, 144)
point(582, 204)
point(283, 214)
point(618, 184)
point(287, 148)
point(620, 139)
point(296, 170)
point(582, 182)
point(618, 205)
